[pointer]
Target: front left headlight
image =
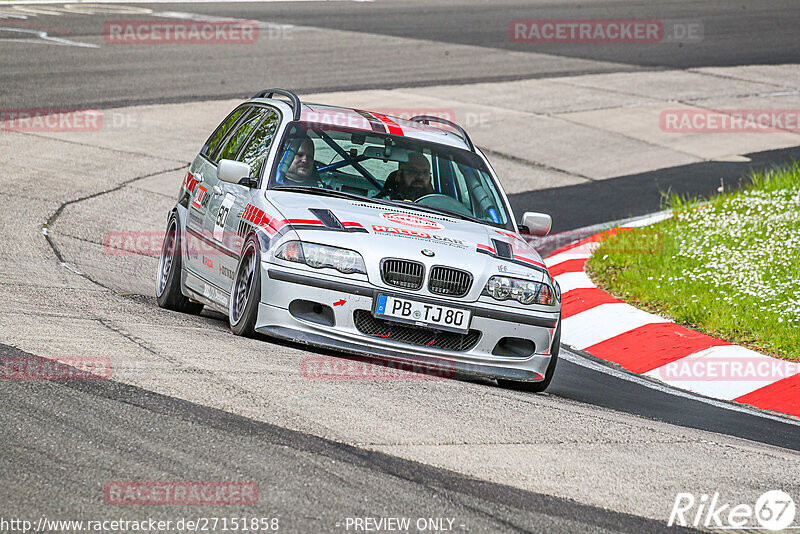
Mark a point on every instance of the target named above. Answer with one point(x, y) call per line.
point(523, 291)
point(322, 256)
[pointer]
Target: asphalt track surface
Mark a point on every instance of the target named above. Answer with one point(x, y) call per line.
point(63, 441)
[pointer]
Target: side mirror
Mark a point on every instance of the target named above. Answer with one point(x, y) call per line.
point(537, 223)
point(233, 172)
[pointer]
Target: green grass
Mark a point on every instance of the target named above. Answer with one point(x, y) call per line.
point(728, 266)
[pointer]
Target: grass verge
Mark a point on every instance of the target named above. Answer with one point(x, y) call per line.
point(728, 267)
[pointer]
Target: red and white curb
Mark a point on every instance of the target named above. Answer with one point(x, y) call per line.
point(646, 344)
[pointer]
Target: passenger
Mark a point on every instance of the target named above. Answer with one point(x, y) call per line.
point(411, 180)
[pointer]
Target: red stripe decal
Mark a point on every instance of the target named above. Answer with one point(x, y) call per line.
point(781, 396)
point(485, 247)
point(569, 266)
point(392, 126)
point(532, 262)
point(316, 222)
point(351, 224)
point(514, 236)
point(579, 300)
point(650, 346)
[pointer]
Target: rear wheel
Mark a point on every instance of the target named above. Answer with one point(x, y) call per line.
point(246, 292)
point(538, 387)
point(168, 275)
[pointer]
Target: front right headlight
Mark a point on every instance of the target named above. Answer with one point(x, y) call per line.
point(322, 256)
point(523, 291)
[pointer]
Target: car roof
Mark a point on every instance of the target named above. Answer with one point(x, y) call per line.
point(372, 121)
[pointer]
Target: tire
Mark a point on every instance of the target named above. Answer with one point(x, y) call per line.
point(246, 290)
point(168, 274)
point(538, 387)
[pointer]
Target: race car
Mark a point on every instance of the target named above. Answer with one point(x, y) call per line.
point(364, 233)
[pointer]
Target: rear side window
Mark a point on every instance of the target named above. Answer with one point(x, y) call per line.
point(216, 139)
point(241, 134)
point(257, 147)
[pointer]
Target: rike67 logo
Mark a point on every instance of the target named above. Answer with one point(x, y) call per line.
point(774, 510)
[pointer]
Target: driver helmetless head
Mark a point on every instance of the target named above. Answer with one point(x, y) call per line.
point(302, 170)
point(414, 177)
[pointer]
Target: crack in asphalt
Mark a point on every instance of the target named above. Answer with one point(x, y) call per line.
point(52, 219)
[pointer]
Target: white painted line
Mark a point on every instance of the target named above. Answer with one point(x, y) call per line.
point(604, 322)
point(578, 253)
point(650, 219)
point(724, 372)
point(575, 280)
point(664, 388)
point(43, 38)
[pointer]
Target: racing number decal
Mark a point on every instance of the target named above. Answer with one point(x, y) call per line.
point(222, 216)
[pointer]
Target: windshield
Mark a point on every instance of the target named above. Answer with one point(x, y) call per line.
point(400, 170)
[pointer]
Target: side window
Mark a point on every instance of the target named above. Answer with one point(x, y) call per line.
point(213, 143)
point(256, 149)
point(241, 134)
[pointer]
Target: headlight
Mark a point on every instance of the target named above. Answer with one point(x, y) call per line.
point(322, 256)
point(523, 291)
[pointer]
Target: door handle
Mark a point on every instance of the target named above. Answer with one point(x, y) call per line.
point(217, 190)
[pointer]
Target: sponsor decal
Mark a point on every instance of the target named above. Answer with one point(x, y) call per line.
point(406, 232)
point(214, 294)
point(400, 231)
point(199, 196)
point(412, 220)
point(207, 262)
point(224, 271)
point(195, 218)
point(506, 270)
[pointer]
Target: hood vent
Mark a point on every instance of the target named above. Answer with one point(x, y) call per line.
point(327, 217)
point(503, 249)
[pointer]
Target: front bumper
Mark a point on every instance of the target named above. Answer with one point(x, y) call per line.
point(281, 286)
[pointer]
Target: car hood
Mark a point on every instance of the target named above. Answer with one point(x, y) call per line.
point(379, 231)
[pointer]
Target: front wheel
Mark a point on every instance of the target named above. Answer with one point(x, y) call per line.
point(538, 387)
point(168, 274)
point(246, 293)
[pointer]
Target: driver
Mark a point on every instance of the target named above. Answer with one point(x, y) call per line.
point(303, 171)
point(411, 181)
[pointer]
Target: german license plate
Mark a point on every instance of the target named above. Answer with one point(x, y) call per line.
point(422, 314)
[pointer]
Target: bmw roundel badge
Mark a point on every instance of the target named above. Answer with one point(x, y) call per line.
point(426, 252)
